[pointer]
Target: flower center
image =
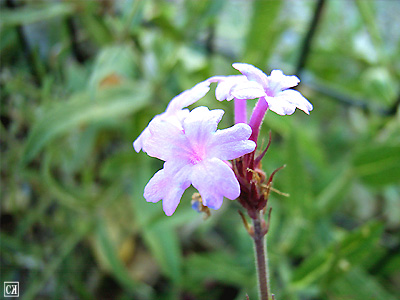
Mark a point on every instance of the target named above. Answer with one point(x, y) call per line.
point(273, 89)
point(270, 93)
point(197, 155)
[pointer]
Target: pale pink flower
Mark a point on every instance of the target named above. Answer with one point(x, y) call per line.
point(254, 83)
point(195, 153)
point(235, 86)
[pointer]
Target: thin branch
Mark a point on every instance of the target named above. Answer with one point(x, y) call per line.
point(351, 101)
point(306, 46)
point(210, 40)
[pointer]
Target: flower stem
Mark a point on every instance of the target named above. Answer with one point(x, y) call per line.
point(261, 259)
point(257, 118)
point(240, 111)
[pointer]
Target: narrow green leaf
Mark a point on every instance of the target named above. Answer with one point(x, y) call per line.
point(80, 111)
point(218, 266)
point(96, 27)
point(338, 258)
point(313, 269)
point(263, 32)
point(359, 285)
point(299, 203)
point(164, 244)
point(378, 164)
point(392, 266)
point(333, 194)
point(297, 178)
point(34, 13)
point(159, 233)
point(117, 266)
point(67, 196)
point(367, 11)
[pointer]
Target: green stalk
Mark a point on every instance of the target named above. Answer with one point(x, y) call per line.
point(261, 259)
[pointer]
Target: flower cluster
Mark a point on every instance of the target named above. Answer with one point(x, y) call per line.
point(197, 153)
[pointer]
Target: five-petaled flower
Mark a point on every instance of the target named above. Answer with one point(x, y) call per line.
point(195, 153)
point(254, 83)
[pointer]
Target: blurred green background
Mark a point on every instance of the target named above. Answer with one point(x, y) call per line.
point(81, 79)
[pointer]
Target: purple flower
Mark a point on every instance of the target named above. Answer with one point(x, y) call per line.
point(274, 89)
point(174, 112)
point(195, 152)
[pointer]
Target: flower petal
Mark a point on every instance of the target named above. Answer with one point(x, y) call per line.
point(284, 81)
point(252, 73)
point(138, 143)
point(156, 187)
point(175, 119)
point(226, 84)
point(200, 124)
point(280, 106)
point(217, 78)
point(231, 143)
point(175, 112)
point(189, 97)
point(169, 185)
point(295, 98)
point(248, 90)
point(165, 140)
point(214, 179)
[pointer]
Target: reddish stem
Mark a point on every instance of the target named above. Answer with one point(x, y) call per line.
point(257, 117)
point(240, 111)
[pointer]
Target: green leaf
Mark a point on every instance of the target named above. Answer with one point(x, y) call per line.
point(114, 65)
point(330, 263)
point(164, 244)
point(111, 168)
point(95, 26)
point(263, 32)
point(158, 232)
point(121, 273)
point(333, 194)
point(359, 285)
point(133, 14)
point(378, 164)
point(34, 13)
point(219, 266)
point(392, 266)
point(81, 110)
point(297, 177)
point(299, 204)
point(367, 10)
point(73, 198)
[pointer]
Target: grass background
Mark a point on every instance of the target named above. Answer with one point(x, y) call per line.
point(81, 79)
